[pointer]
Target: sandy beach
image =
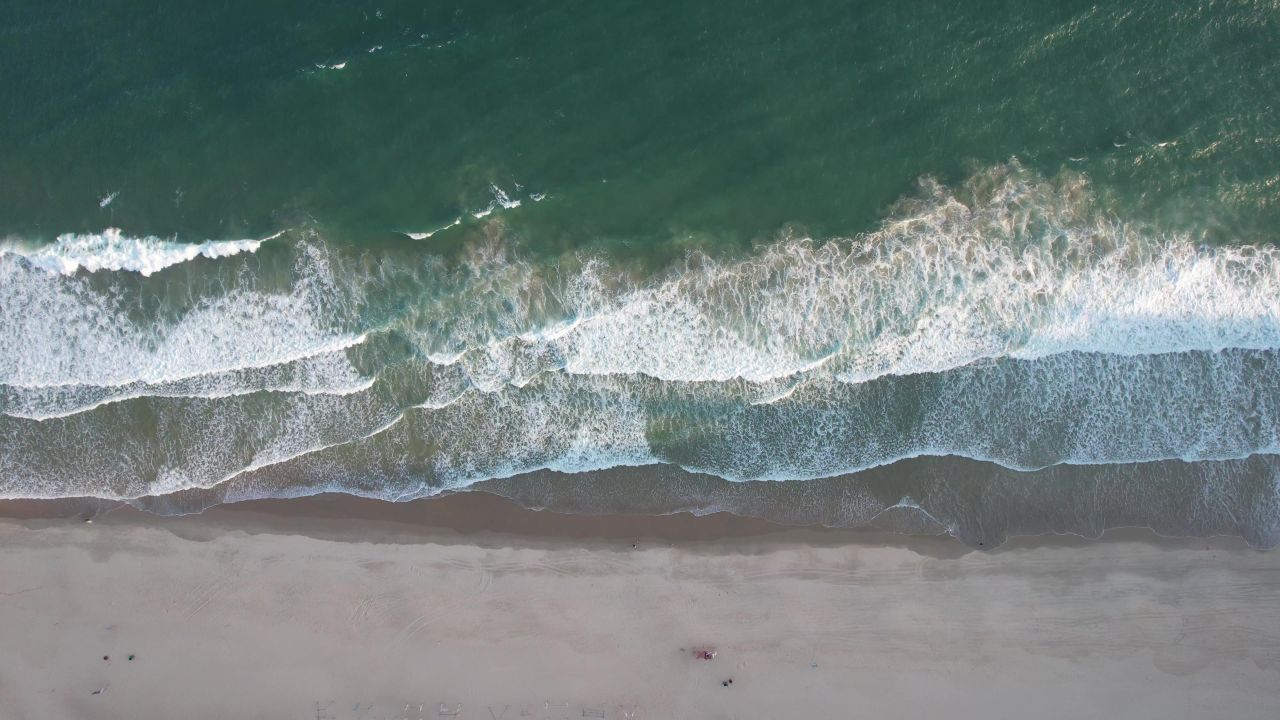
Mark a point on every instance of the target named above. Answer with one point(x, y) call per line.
point(341, 608)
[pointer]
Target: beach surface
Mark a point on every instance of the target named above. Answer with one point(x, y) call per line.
point(341, 608)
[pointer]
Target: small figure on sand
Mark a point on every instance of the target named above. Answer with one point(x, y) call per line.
point(704, 653)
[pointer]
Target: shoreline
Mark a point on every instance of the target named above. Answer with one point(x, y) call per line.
point(978, 504)
point(480, 517)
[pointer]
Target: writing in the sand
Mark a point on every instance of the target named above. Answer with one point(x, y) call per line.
point(547, 710)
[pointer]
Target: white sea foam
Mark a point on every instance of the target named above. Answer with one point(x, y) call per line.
point(1011, 266)
point(576, 424)
point(113, 250)
point(429, 233)
point(61, 330)
point(1015, 414)
point(327, 373)
point(179, 483)
point(108, 199)
point(778, 396)
point(501, 197)
point(1011, 320)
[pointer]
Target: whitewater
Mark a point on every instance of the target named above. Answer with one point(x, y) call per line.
point(1011, 320)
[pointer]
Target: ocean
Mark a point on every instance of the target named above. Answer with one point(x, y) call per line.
point(973, 268)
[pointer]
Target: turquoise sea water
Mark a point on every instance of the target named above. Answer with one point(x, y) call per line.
point(969, 267)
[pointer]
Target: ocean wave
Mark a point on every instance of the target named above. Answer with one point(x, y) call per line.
point(1010, 265)
point(113, 250)
point(1024, 415)
point(1011, 320)
point(423, 235)
point(63, 330)
point(327, 373)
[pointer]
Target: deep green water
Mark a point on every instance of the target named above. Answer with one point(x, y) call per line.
point(757, 240)
point(644, 121)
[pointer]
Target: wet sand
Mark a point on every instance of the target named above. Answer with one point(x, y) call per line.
point(341, 608)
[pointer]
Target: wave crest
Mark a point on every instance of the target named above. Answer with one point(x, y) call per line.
point(112, 250)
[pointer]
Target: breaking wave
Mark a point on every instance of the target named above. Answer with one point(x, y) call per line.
point(1011, 320)
point(113, 250)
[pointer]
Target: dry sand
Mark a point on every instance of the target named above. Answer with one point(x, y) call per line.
point(250, 612)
